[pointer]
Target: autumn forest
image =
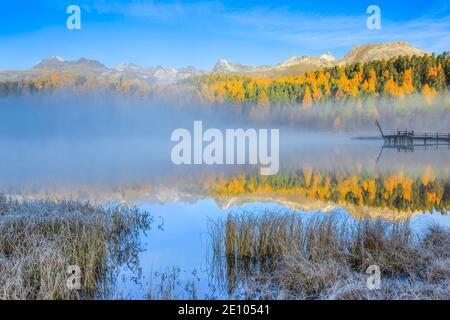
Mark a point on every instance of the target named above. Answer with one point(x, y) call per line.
point(341, 97)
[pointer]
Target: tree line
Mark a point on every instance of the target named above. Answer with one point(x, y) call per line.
point(396, 78)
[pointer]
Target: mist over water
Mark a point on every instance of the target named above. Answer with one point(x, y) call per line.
point(96, 147)
point(68, 141)
point(88, 140)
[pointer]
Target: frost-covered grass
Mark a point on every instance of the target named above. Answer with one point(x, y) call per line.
point(39, 240)
point(169, 286)
point(281, 255)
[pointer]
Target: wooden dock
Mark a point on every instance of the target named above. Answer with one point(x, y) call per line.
point(407, 139)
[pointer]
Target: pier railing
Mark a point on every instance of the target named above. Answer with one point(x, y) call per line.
point(409, 137)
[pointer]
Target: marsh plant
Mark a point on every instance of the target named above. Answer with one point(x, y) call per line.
point(285, 255)
point(40, 239)
point(169, 285)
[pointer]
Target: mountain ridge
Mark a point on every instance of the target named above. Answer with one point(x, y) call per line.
point(166, 75)
point(301, 64)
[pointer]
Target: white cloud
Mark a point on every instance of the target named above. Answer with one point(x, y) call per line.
point(323, 32)
point(305, 30)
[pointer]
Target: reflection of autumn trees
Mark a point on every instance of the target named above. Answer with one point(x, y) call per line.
point(394, 191)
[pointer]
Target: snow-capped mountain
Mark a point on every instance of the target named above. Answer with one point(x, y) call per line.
point(166, 75)
point(225, 66)
point(301, 64)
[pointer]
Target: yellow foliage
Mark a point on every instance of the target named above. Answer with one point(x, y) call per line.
point(428, 176)
point(429, 94)
point(307, 173)
point(307, 99)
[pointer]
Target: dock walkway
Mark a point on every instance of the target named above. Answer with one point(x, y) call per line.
point(405, 138)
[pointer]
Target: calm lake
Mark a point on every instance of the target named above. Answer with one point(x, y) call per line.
point(320, 174)
point(178, 250)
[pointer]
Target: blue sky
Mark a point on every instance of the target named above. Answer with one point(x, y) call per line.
point(180, 33)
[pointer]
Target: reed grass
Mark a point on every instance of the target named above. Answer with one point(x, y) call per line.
point(170, 286)
point(40, 239)
point(281, 254)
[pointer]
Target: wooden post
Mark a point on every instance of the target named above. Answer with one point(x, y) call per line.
point(379, 127)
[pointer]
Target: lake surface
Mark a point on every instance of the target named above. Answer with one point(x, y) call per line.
point(178, 246)
point(320, 173)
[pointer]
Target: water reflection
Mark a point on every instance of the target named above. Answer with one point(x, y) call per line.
point(83, 166)
point(410, 148)
point(187, 258)
point(174, 259)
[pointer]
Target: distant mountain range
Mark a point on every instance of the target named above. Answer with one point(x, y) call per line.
point(293, 65)
point(87, 67)
point(297, 64)
point(166, 75)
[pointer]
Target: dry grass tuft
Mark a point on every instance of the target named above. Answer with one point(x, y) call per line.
point(326, 257)
point(40, 239)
